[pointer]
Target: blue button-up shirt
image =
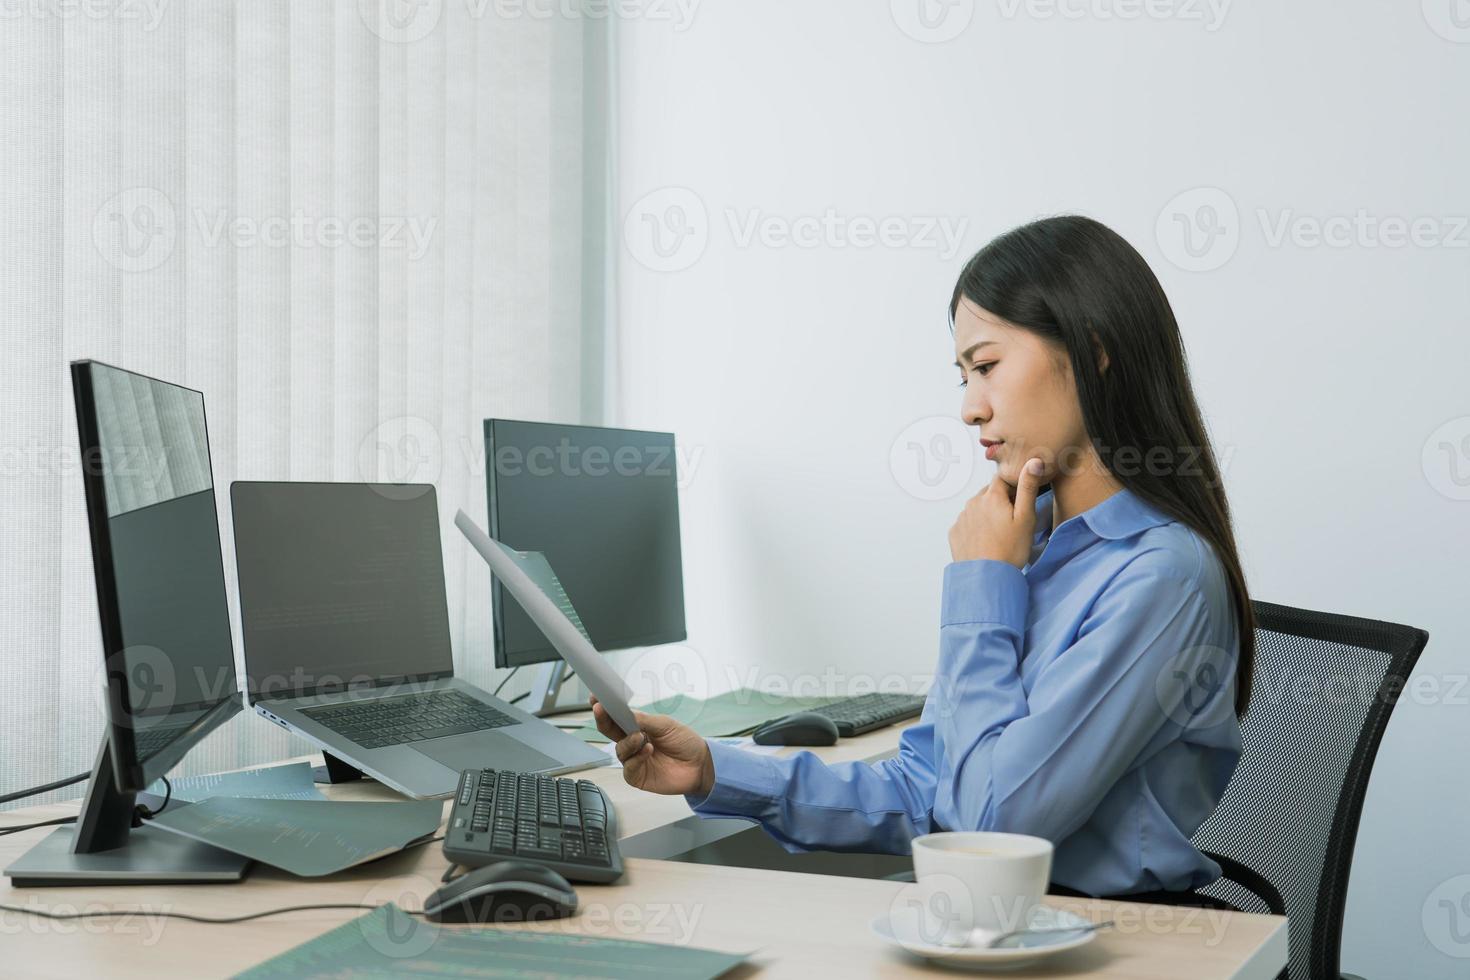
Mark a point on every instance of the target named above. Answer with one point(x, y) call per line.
point(1087, 698)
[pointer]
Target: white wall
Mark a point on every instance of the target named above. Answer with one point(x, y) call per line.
point(1325, 371)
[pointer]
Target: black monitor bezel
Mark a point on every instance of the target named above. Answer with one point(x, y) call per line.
point(548, 653)
point(134, 774)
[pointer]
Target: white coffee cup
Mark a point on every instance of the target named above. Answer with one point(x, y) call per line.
point(975, 884)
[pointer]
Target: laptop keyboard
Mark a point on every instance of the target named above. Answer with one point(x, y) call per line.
point(147, 742)
point(408, 718)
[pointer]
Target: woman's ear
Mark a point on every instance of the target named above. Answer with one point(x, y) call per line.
point(1102, 355)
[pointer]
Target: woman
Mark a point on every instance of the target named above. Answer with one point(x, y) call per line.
point(1096, 639)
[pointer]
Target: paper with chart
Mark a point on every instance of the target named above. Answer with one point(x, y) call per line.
point(388, 942)
point(289, 782)
point(305, 837)
point(573, 646)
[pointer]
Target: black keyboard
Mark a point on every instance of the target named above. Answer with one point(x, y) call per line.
point(869, 712)
point(567, 825)
point(408, 718)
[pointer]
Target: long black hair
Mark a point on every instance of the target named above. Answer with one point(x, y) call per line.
point(1077, 283)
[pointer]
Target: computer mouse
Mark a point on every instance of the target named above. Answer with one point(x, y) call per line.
point(509, 891)
point(801, 728)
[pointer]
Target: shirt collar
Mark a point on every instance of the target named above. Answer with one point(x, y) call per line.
point(1122, 515)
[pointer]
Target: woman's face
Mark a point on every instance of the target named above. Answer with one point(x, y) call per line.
point(1019, 392)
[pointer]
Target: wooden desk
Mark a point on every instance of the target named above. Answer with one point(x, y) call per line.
point(797, 925)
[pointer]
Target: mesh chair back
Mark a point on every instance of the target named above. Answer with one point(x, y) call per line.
point(1323, 690)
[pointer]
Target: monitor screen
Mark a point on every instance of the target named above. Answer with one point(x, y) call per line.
point(603, 506)
point(341, 585)
point(156, 552)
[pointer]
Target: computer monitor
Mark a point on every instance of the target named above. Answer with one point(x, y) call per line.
point(603, 506)
point(169, 660)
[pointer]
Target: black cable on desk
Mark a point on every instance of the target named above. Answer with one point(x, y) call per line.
point(38, 790)
point(229, 920)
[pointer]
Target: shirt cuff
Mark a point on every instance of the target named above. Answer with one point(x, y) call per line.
point(984, 591)
point(745, 783)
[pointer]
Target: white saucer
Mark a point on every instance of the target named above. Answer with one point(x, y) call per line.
point(902, 928)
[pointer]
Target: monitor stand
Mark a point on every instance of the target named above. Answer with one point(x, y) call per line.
point(546, 688)
point(103, 847)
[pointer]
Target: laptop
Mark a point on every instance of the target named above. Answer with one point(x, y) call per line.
point(346, 634)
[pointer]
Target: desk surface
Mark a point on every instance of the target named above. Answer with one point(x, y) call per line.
point(792, 924)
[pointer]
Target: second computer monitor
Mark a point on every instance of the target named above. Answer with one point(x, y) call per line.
point(602, 505)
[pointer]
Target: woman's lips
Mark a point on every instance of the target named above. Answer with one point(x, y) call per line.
point(991, 448)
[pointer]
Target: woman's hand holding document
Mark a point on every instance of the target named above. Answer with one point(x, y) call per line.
point(574, 648)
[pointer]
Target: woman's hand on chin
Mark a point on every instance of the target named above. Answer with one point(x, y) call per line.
point(994, 526)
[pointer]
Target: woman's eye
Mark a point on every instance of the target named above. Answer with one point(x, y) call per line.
point(980, 369)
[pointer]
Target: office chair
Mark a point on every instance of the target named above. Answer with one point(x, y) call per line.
point(1284, 832)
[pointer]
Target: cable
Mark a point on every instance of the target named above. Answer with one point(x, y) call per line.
point(38, 790)
point(519, 697)
point(505, 681)
point(104, 913)
point(141, 812)
point(32, 826)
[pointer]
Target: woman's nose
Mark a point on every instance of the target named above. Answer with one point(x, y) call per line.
point(974, 409)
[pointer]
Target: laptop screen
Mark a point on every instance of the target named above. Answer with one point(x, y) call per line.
point(341, 584)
